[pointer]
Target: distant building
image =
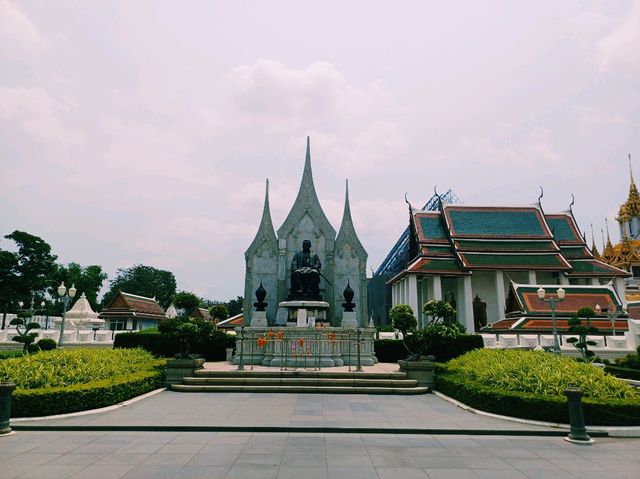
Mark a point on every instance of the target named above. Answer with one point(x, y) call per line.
point(132, 312)
point(469, 256)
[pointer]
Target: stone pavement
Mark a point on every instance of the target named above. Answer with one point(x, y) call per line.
point(211, 455)
point(170, 408)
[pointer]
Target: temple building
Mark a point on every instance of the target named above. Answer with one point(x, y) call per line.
point(470, 256)
point(626, 254)
point(342, 257)
point(128, 311)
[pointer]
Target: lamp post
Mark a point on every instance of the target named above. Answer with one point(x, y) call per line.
point(66, 296)
point(612, 315)
point(552, 303)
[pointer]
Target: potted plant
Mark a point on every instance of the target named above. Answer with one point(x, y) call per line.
point(418, 364)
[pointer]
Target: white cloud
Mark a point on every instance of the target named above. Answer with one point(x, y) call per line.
point(619, 49)
point(18, 35)
point(37, 114)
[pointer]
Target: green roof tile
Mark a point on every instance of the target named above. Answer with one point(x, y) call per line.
point(480, 222)
point(474, 245)
point(432, 228)
point(561, 227)
point(575, 252)
point(514, 261)
point(594, 267)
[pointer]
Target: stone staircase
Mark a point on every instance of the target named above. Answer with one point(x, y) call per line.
point(324, 382)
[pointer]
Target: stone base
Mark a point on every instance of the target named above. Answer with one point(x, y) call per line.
point(179, 368)
point(349, 320)
point(259, 319)
point(422, 371)
point(305, 348)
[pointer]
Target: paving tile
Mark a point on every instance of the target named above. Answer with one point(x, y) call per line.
point(498, 474)
point(400, 473)
point(159, 459)
point(307, 472)
point(122, 459)
point(52, 471)
point(257, 459)
point(349, 461)
point(95, 471)
point(299, 460)
point(11, 471)
point(30, 458)
point(203, 472)
point(450, 474)
point(246, 471)
point(152, 472)
point(213, 459)
point(76, 458)
point(351, 473)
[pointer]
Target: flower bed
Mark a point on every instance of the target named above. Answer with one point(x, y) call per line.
point(530, 384)
point(61, 381)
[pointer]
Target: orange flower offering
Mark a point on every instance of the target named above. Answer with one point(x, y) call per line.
point(270, 334)
point(301, 342)
point(280, 334)
point(262, 342)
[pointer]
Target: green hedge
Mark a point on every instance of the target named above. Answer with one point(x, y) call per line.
point(627, 373)
point(614, 412)
point(96, 394)
point(444, 349)
point(212, 348)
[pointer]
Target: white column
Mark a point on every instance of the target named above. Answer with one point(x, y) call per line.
point(618, 285)
point(467, 300)
point(563, 278)
point(500, 295)
point(412, 292)
point(532, 277)
point(595, 282)
point(394, 287)
point(437, 287)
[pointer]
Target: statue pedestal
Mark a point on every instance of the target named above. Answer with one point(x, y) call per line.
point(349, 319)
point(305, 313)
point(258, 319)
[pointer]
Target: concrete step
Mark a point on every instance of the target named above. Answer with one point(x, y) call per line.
point(299, 374)
point(299, 389)
point(300, 381)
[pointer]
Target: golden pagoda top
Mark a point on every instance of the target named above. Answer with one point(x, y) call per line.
point(631, 207)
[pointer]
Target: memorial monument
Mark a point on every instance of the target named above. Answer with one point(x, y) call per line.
point(310, 288)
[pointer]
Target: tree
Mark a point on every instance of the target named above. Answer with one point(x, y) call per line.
point(439, 310)
point(219, 312)
point(234, 306)
point(8, 281)
point(186, 301)
point(26, 271)
point(144, 281)
point(24, 328)
point(36, 264)
point(581, 342)
point(88, 280)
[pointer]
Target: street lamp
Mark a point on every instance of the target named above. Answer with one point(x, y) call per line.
point(612, 315)
point(552, 303)
point(66, 296)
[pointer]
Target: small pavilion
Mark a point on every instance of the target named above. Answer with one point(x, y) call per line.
point(128, 311)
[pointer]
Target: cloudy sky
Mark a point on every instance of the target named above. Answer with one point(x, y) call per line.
point(142, 132)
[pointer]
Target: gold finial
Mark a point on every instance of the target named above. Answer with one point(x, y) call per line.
point(630, 169)
point(594, 249)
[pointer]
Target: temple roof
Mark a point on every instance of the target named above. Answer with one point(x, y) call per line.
point(82, 311)
point(576, 297)
point(347, 232)
point(306, 201)
point(458, 239)
point(232, 322)
point(265, 232)
point(630, 208)
point(132, 305)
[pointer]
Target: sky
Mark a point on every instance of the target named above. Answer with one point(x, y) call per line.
point(143, 132)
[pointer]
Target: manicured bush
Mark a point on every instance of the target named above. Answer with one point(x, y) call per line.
point(631, 361)
point(213, 347)
point(10, 353)
point(530, 384)
point(626, 373)
point(78, 397)
point(61, 368)
point(46, 344)
point(444, 349)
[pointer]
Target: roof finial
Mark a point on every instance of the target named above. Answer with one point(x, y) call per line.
point(540, 197)
point(630, 169)
point(573, 200)
point(606, 222)
point(594, 249)
point(603, 243)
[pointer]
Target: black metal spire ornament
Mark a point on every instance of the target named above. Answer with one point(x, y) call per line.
point(348, 298)
point(261, 293)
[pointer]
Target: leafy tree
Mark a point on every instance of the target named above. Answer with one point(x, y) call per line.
point(219, 312)
point(234, 306)
point(187, 331)
point(144, 281)
point(35, 264)
point(439, 310)
point(8, 282)
point(582, 330)
point(87, 280)
point(186, 301)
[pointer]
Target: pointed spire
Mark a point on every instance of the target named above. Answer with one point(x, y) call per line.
point(630, 170)
point(609, 245)
point(347, 207)
point(347, 231)
point(265, 230)
point(594, 249)
point(307, 174)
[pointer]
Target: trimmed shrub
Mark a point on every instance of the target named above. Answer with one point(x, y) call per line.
point(213, 347)
point(626, 373)
point(62, 367)
point(10, 353)
point(443, 348)
point(530, 384)
point(78, 397)
point(47, 344)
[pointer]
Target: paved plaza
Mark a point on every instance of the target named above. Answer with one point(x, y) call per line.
point(213, 455)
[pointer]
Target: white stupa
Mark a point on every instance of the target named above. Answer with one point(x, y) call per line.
point(81, 316)
point(171, 312)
